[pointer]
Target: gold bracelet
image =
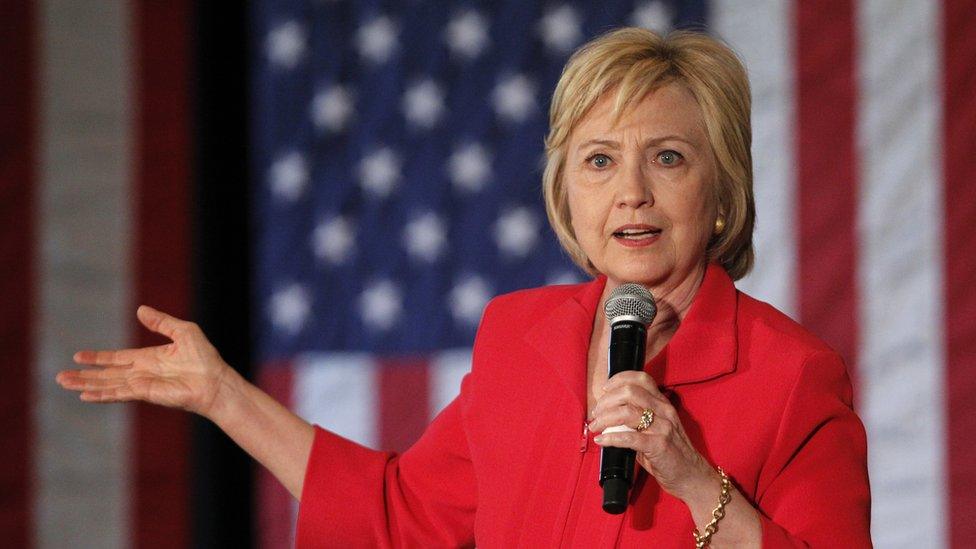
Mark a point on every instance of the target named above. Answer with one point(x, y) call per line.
point(701, 540)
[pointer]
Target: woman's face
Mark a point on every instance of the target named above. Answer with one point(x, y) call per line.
point(641, 192)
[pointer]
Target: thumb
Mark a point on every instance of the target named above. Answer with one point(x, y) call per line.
point(157, 321)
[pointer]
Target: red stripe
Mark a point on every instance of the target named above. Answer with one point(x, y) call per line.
point(404, 393)
point(161, 256)
point(274, 502)
point(827, 173)
point(17, 183)
point(959, 24)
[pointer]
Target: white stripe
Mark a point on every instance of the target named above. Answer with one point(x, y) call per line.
point(760, 31)
point(82, 451)
point(900, 223)
point(447, 370)
point(338, 391)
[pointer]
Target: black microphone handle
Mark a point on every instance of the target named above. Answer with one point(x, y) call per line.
point(627, 347)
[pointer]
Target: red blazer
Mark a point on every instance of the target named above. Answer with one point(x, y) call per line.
point(507, 463)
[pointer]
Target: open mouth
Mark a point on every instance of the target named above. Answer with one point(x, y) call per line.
point(636, 232)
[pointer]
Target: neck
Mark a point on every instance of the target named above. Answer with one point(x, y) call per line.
point(673, 302)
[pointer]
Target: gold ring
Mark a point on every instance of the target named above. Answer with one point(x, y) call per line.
point(647, 418)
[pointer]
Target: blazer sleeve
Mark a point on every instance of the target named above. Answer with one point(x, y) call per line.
point(813, 489)
point(357, 497)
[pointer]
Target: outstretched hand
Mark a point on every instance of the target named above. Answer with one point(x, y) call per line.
point(185, 373)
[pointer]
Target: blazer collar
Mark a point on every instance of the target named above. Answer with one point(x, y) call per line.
point(562, 336)
point(703, 347)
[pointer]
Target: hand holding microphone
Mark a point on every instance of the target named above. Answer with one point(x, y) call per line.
point(629, 309)
point(636, 421)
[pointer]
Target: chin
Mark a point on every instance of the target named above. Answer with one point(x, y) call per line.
point(643, 274)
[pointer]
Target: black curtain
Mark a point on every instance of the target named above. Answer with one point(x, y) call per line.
point(222, 495)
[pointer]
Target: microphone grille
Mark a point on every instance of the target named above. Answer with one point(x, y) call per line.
point(630, 302)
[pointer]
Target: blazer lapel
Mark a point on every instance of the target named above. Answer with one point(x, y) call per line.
point(705, 345)
point(703, 348)
point(562, 337)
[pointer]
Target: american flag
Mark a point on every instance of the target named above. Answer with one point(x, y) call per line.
point(396, 153)
point(400, 145)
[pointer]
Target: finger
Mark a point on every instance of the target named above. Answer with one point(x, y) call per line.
point(81, 384)
point(639, 442)
point(627, 394)
point(121, 394)
point(120, 357)
point(630, 415)
point(642, 379)
point(119, 372)
point(158, 321)
point(620, 415)
point(95, 385)
point(632, 395)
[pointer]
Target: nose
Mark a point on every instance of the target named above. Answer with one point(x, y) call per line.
point(634, 188)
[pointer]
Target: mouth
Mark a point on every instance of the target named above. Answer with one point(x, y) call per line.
point(636, 233)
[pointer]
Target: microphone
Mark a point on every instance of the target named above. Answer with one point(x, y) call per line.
point(629, 309)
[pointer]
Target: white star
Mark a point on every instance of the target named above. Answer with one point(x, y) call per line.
point(290, 308)
point(285, 44)
point(332, 108)
point(563, 277)
point(466, 34)
point(513, 98)
point(332, 240)
point(380, 305)
point(469, 167)
point(423, 103)
point(560, 29)
point(377, 39)
point(468, 299)
point(289, 176)
point(425, 237)
point(654, 15)
point(379, 172)
point(516, 232)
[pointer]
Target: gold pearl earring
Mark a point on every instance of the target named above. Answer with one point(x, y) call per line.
point(719, 225)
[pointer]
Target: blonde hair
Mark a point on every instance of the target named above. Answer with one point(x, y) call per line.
point(636, 62)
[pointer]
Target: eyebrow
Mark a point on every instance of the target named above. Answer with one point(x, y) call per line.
point(616, 144)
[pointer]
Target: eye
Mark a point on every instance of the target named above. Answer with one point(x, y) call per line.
point(599, 160)
point(669, 158)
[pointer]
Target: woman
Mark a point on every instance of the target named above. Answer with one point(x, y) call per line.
point(648, 180)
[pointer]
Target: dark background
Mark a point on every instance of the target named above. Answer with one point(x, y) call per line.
point(221, 485)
